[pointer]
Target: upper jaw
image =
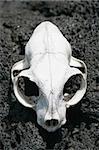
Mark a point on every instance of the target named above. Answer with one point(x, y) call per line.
point(51, 129)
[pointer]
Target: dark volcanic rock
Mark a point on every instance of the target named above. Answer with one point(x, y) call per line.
point(79, 23)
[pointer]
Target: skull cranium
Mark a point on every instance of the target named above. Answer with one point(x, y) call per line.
point(49, 64)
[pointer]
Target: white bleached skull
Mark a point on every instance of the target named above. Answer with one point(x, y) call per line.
point(49, 64)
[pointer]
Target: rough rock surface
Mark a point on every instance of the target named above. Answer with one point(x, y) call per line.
point(79, 23)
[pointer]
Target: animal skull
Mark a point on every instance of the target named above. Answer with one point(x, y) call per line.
point(49, 64)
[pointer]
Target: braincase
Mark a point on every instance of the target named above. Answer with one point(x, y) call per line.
point(47, 38)
point(50, 70)
point(49, 53)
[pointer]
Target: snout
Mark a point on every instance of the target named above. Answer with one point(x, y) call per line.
point(52, 123)
point(51, 118)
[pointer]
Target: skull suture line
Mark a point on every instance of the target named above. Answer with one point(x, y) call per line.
point(49, 64)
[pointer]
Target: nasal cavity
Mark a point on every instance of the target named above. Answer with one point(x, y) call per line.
point(52, 122)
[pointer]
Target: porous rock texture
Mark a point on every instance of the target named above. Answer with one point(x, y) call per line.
point(79, 23)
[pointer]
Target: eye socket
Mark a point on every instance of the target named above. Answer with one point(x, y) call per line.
point(72, 85)
point(28, 87)
point(16, 72)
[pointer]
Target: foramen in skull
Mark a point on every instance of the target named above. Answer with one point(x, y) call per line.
point(48, 65)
